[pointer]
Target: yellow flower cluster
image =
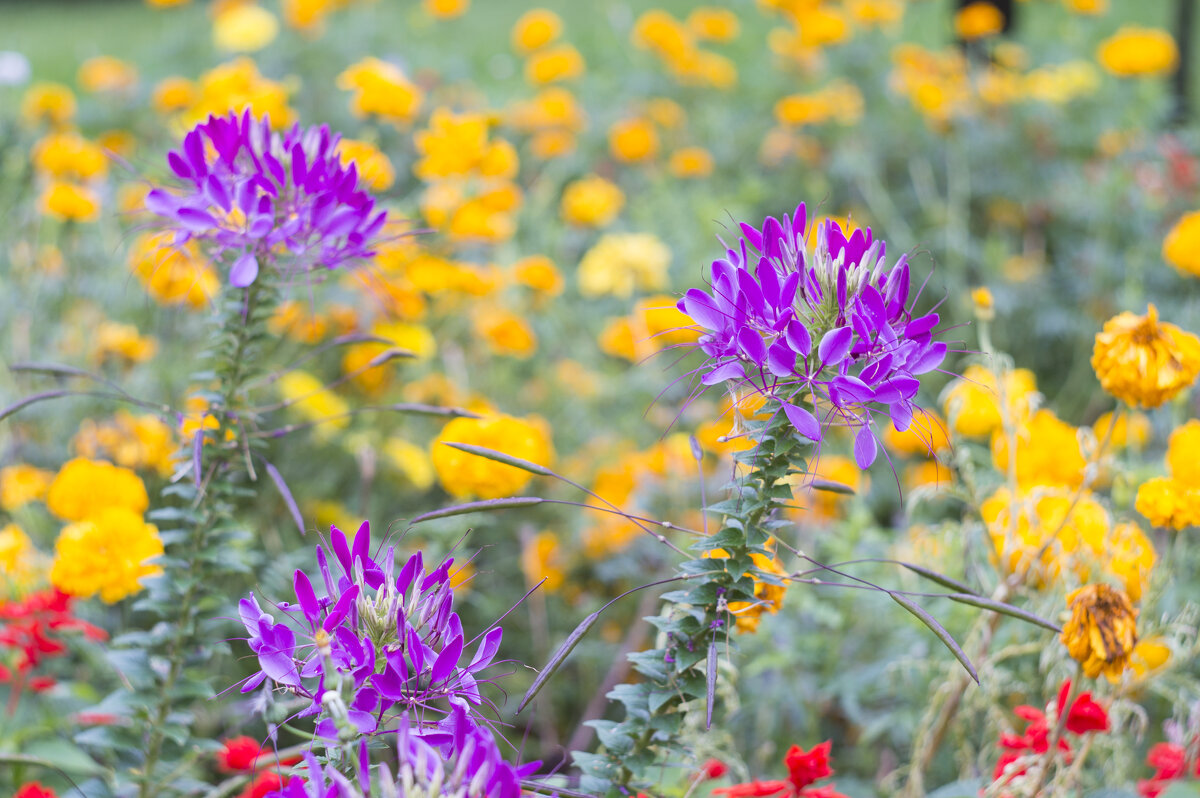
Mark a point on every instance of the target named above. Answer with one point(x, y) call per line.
point(382, 90)
point(1173, 501)
point(173, 274)
point(138, 442)
point(314, 403)
point(70, 169)
point(236, 86)
point(840, 102)
point(464, 475)
point(122, 344)
point(676, 44)
point(978, 403)
point(21, 484)
point(1145, 362)
point(553, 118)
point(619, 264)
point(535, 38)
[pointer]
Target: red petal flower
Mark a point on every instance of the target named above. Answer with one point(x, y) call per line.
point(1085, 714)
point(34, 790)
point(806, 767)
point(1168, 759)
point(713, 769)
point(826, 791)
point(753, 789)
point(239, 754)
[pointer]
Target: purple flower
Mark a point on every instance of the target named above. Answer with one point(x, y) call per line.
point(255, 196)
point(833, 322)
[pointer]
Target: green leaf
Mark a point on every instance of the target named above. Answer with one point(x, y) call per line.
point(65, 756)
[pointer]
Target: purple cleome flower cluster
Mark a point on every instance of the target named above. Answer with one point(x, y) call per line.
point(831, 322)
point(253, 194)
point(376, 644)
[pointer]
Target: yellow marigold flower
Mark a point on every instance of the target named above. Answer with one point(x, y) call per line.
point(69, 202)
point(1088, 7)
point(48, 102)
point(1183, 453)
point(1181, 248)
point(592, 201)
point(244, 28)
point(21, 484)
point(21, 563)
point(658, 31)
point(978, 20)
point(983, 303)
point(83, 487)
point(505, 333)
point(1023, 530)
point(536, 28)
point(1131, 557)
point(106, 74)
point(1133, 430)
point(1145, 362)
point(452, 145)
point(538, 273)
point(661, 323)
point(633, 140)
point(128, 440)
point(69, 156)
point(620, 263)
point(296, 320)
point(925, 436)
point(314, 402)
point(235, 86)
point(1169, 503)
point(466, 475)
point(373, 166)
point(1102, 631)
point(553, 64)
point(689, 162)
point(714, 24)
point(123, 343)
point(1149, 655)
point(928, 474)
point(411, 461)
point(972, 403)
point(381, 89)
point(617, 339)
point(542, 560)
point(1135, 52)
point(173, 274)
point(446, 9)
point(107, 554)
point(357, 359)
point(173, 94)
point(1048, 452)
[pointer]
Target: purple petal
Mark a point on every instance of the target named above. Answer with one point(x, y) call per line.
point(804, 422)
point(244, 271)
point(835, 345)
point(865, 447)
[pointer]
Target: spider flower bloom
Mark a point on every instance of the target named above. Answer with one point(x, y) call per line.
point(254, 195)
point(1144, 361)
point(785, 321)
point(388, 636)
point(1102, 631)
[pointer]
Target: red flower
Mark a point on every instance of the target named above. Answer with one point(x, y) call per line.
point(713, 769)
point(239, 754)
point(34, 790)
point(821, 792)
point(1085, 714)
point(96, 719)
point(753, 789)
point(1168, 759)
point(1152, 788)
point(264, 784)
point(804, 768)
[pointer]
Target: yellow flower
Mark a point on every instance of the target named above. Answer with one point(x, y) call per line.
point(1169, 503)
point(410, 460)
point(123, 343)
point(381, 89)
point(633, 140)
point(446, 9)
point(48, 102)
point(244, 28)
point(542, 559)
point(296, 320)
point(877, 12)
point(84, 487)
point(658, 31)
point(107, 554)
point(22, 566)
point(972, 403)
point(236, 86)
point(1149, 655)
point(373, 166)
point(1131, 557)
point(714, 24)
point(1183, 453)
point(1181, 248)
point(1133, 430)
point(665, 113)
point(1089, 7)
point(69, 156)
point(553, 64)
point(69, 202)
point(173, 274)
point(978, 20)
point(311, 400)
point(413, 338)
point(104, 73)
point(173, 94)
point(620, 263)
point(465, 475)
point(1102, 631)
point(130, 441)
point(455, 144)
point(925, 436)
point(984, 304)
point(21, 484)
point(1048, 452)
point(1143, 361)
point(1135, 51)
point(1037, 533)
point(768, 596)
point(536, 28)
point(688, 162)
point(592, 201)
point(928, 474)
point(538, 273)
point(505, 333)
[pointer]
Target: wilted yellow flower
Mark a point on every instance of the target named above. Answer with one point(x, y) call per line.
point(688, 162)
point(1181, 248)
point(1135, 51)
point(536, 28)
point(48, 102)
point(128, 440)
point(592, 201)
point(173, 274)
point(972, 402)
point(107, 554)
point(373, 166)
point(314, 402)
point(446, 9)
point(122, 342)
point(504, 332)
point(83, 487)
point(977, 20)
point(21, 484)
point(244, 28)
point(69, 156)
point(633, 140)
point(542, 559)
point(381, 89)
point(714, 24)
point(1169, 503)
point(1048, 452)
point(620, 263)
point(1102, 631)
point(1145, 362)
point(104, 73)
point(466, 475)
point(70, 203)
point(553, 64)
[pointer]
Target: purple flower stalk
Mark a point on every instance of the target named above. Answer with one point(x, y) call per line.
point(833, 322)
point(255, 196)
point(374, 644)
